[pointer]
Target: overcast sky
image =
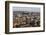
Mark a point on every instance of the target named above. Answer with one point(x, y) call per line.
point(29, 9)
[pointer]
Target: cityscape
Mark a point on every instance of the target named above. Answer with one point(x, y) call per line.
point(26, 19)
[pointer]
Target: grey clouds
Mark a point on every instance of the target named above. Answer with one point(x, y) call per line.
point(29, 9)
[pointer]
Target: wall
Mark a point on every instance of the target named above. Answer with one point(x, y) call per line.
point(2, 18)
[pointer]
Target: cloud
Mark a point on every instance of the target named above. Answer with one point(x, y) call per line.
point(29, 9)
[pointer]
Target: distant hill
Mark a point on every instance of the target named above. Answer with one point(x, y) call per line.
point(25, 12)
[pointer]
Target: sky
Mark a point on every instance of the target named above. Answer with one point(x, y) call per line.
point(29, 9)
